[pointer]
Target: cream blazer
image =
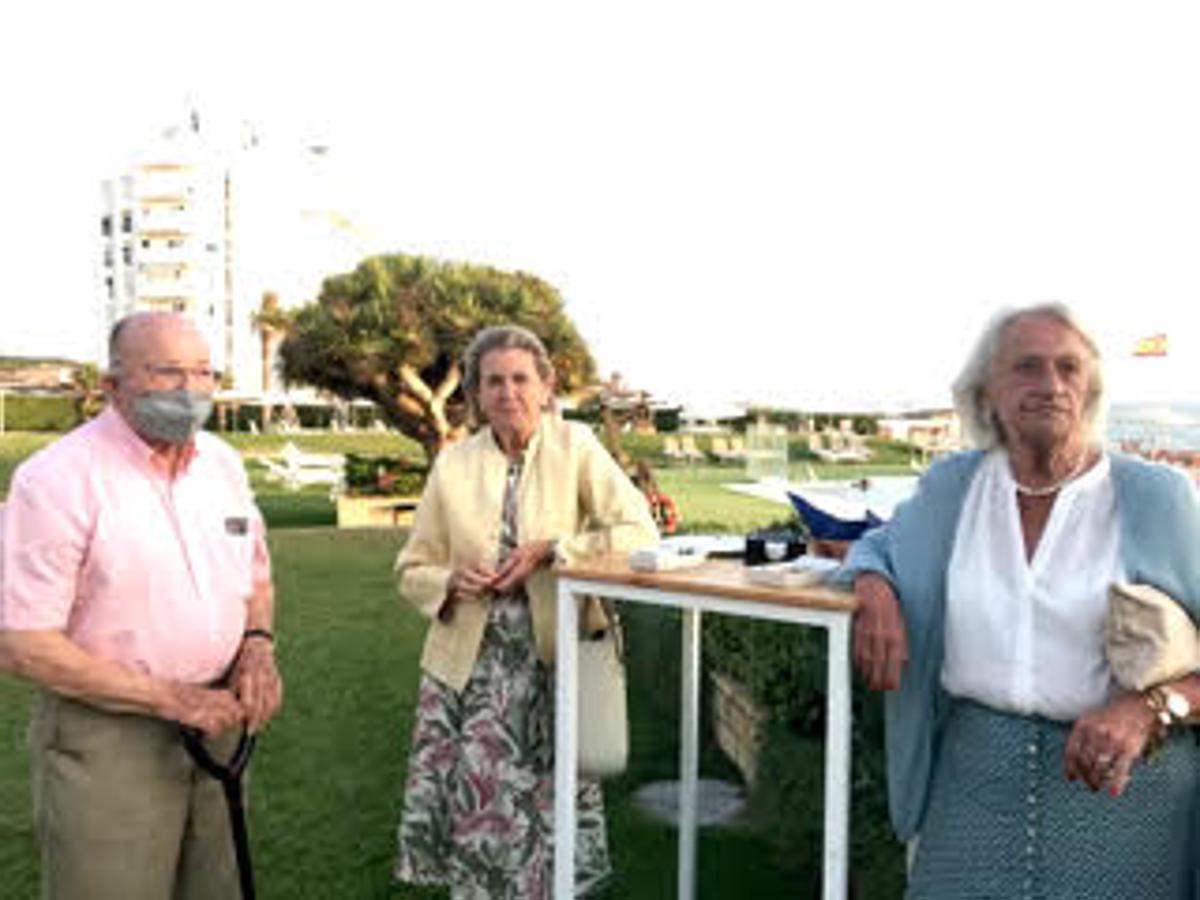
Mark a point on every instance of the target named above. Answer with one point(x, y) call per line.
point(571, 491)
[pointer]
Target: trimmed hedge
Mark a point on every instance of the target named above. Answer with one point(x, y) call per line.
point(665, 420)
point(40, 412)
point(884, 452)
point(642, 446)
point(313, 416)
point(383, 475)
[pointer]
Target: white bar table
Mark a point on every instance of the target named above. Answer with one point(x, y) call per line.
point(717, 587)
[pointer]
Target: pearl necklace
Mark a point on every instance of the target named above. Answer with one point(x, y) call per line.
point(1049, 489)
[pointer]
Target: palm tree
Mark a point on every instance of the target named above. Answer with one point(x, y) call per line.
point(87, 396)
point(272, 324)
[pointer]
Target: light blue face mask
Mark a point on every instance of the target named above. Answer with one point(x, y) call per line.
point(171, 416)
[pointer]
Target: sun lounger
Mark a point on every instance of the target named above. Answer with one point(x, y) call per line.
point(718, 449)
point(691, 452)
point(295, 468)
point(671, 449)
point(737, 449)
point(729, 451)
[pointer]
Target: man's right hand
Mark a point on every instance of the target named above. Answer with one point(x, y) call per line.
point(51, 659)
point(212, 710)
point(880, 640)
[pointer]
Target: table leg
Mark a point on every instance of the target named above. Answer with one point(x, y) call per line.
point(689, 746)
point(837, 762)
point(565, 744)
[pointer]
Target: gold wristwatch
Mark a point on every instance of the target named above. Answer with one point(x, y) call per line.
point(1169, 706)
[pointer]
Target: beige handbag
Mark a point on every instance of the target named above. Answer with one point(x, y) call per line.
point(603, 717)
point(1150, 639)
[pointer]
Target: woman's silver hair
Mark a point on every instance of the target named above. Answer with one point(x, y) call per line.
point(970, 387)
point(501, 337)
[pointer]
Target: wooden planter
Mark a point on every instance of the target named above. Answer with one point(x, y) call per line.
point(739, 724)
point(375, 512)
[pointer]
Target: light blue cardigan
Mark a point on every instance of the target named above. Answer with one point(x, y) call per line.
point(1160, 545)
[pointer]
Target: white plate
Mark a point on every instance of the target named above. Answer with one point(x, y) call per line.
point(705, 544)
point(800, 572)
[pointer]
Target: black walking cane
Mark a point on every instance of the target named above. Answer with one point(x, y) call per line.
point(230, 775)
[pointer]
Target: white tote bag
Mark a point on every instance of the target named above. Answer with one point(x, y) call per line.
point(602, 707)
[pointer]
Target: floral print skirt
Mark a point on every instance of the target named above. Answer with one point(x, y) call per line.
point(478, 810)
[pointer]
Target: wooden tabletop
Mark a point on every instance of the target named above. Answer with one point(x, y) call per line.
point(715, 577)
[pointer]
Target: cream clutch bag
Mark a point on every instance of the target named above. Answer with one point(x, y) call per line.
point(603, 716)
point(1150, 638)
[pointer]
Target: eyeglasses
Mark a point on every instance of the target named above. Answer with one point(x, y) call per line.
point(181, 374)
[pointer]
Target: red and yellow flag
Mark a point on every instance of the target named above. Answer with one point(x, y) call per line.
point(1154, 345)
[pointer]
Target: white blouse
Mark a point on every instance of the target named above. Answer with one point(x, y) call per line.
point(1027, 636)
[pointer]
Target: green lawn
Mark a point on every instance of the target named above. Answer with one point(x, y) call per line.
point(14, 447)
point(368, 443)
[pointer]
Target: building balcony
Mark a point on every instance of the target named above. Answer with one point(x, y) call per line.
point(163, 168)
point(162, 219)
point(148, 285)
point(162, 259)
point(154, 267)
point(154, 182)
point(166, 303)
point(164, 199)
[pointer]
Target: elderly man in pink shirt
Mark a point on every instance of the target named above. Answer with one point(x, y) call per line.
point(136, 593)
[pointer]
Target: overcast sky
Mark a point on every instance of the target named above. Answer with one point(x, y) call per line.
point(807, 203)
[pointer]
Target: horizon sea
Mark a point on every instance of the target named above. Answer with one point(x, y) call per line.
point(1167, 426)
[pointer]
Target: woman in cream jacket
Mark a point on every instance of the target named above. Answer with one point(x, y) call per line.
point(499, 509)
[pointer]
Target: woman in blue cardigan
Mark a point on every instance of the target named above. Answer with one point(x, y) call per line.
point(1013, 757)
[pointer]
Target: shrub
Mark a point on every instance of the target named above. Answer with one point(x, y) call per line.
point(798, 449)
point(314, 416)
point(667, 419)
point(383, 475)
point(239, 418)
point(784, 669)
point(642, 446)
point(39, 412)
point(886, 451)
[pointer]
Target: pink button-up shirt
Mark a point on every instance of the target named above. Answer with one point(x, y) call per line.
point(134, 567)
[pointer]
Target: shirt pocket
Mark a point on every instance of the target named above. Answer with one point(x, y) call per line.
point(235, 551)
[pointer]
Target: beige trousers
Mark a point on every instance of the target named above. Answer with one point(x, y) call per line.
point(120, 810)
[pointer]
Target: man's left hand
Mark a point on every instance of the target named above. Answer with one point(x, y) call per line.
point(257, 683)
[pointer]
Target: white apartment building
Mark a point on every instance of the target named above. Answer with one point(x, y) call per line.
point(205, 222)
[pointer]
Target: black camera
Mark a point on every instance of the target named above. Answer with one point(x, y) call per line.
point(764, 547)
